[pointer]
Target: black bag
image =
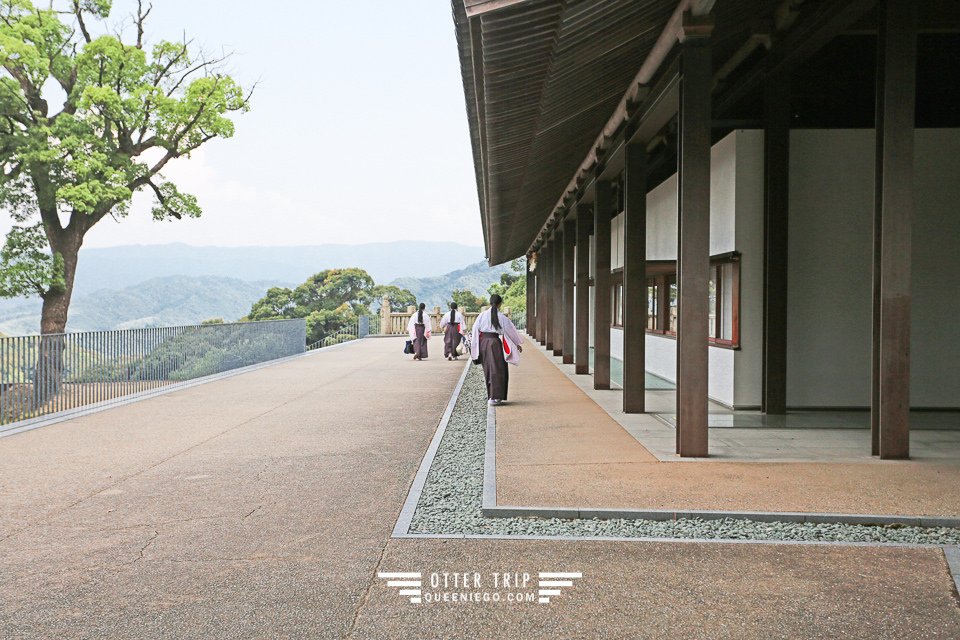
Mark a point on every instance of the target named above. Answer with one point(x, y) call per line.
point(408, 348)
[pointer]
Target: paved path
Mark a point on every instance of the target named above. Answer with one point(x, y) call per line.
point(260, 506)
point(576, 455)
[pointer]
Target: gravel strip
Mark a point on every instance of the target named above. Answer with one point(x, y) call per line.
point(450, 503)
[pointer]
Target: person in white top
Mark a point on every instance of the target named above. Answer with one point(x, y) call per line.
point(419, 330)
point(453, 325)
point(496, 342)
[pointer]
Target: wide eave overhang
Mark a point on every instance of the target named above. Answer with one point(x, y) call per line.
point(550, 84)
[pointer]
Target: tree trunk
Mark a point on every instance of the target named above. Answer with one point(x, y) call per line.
point(48, 380)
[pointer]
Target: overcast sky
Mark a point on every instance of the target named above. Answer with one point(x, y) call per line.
point(357, 131)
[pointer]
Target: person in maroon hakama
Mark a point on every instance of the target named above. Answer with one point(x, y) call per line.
point(419, 330)
point(495, 343)
point(453, 325)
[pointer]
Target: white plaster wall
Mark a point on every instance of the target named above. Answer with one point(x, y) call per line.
point(724, 223)
point(662, 221)
point(748, 360)
point(830, 270)
point(616, 343)
point(616, 241)
point(720, 385)
point(935, 318)
point(662, 356)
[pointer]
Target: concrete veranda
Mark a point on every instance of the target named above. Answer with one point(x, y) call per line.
point(261, 506)
point(585, 452)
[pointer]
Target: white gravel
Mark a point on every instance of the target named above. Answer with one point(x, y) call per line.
point(451, 500)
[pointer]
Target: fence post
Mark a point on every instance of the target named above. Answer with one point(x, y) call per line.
point(385, 323)
point(364, 328)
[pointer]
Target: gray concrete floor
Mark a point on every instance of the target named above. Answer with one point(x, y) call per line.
point(748, 436)
point(261, 506)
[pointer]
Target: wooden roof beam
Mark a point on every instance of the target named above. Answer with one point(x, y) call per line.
point(478, 7)
point(636, 92)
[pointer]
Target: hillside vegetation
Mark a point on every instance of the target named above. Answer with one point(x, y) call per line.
point(158, 302)
point(183, 300)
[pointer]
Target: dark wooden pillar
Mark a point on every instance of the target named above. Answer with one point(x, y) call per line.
point(556, 310)
point(602, 208)
point(635, 279)
point(569, 235)
point(531, 293)
point(547, 339)
point(776, 157)
point(896, 82)
point(693, 261)
point(584, 228)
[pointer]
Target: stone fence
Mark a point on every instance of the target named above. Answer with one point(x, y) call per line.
point(396, 323)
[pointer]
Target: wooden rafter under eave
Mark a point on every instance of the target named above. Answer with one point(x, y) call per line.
point(477, 7)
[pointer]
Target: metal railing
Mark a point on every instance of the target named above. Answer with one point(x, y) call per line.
point(360, 328)
point(43, 375)
point(519, 319)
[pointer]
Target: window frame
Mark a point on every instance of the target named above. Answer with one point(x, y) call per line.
point(662, 273)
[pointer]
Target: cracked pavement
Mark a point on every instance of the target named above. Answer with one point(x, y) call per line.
point(261, 506)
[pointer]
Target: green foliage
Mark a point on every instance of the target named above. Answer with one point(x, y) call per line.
point(195, 352)
point(26, 269)
point(328, 301)
point(400, 299)
point(213, 321)
point(466, 300)
point(516, 296)
point(506, 281)
point(513, 286)
point(124, 104)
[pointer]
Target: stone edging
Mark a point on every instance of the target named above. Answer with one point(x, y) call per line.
point(402, 528)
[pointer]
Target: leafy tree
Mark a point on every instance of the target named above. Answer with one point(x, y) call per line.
point(400, 299)
point(514, 286)
point(328, 301)
point(506, 281)
point(466, 300)
point(62, 173)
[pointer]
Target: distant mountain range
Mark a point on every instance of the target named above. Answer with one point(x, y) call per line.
point(158, 302)
point(170, 300)
point(435, 291)
point(119, 267)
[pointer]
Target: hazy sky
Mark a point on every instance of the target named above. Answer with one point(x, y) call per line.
point(357, 131)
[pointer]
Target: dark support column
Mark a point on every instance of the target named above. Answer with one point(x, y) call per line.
point(547, 339)
point(776, 152)
point(543, 283)
point(693, 263)
point(635, 279)
point(531, 289)
point(556, 310)
point(603, 205)
point(569, 233)
point(584, 227)
point(896, 82)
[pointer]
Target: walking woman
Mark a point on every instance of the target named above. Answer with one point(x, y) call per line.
point(452, 324)
point(419, 330)
point(495, 343)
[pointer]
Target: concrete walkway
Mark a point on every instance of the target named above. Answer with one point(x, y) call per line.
point(261, 506)
point(577, 454)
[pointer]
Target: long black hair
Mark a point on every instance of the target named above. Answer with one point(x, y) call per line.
point(453, 310)
point(495, 301)
point(420, 313)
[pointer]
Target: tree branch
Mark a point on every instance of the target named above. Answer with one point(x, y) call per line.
point(141, 18)
point(83, 27)
point(202, 65)
point(163, 201)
